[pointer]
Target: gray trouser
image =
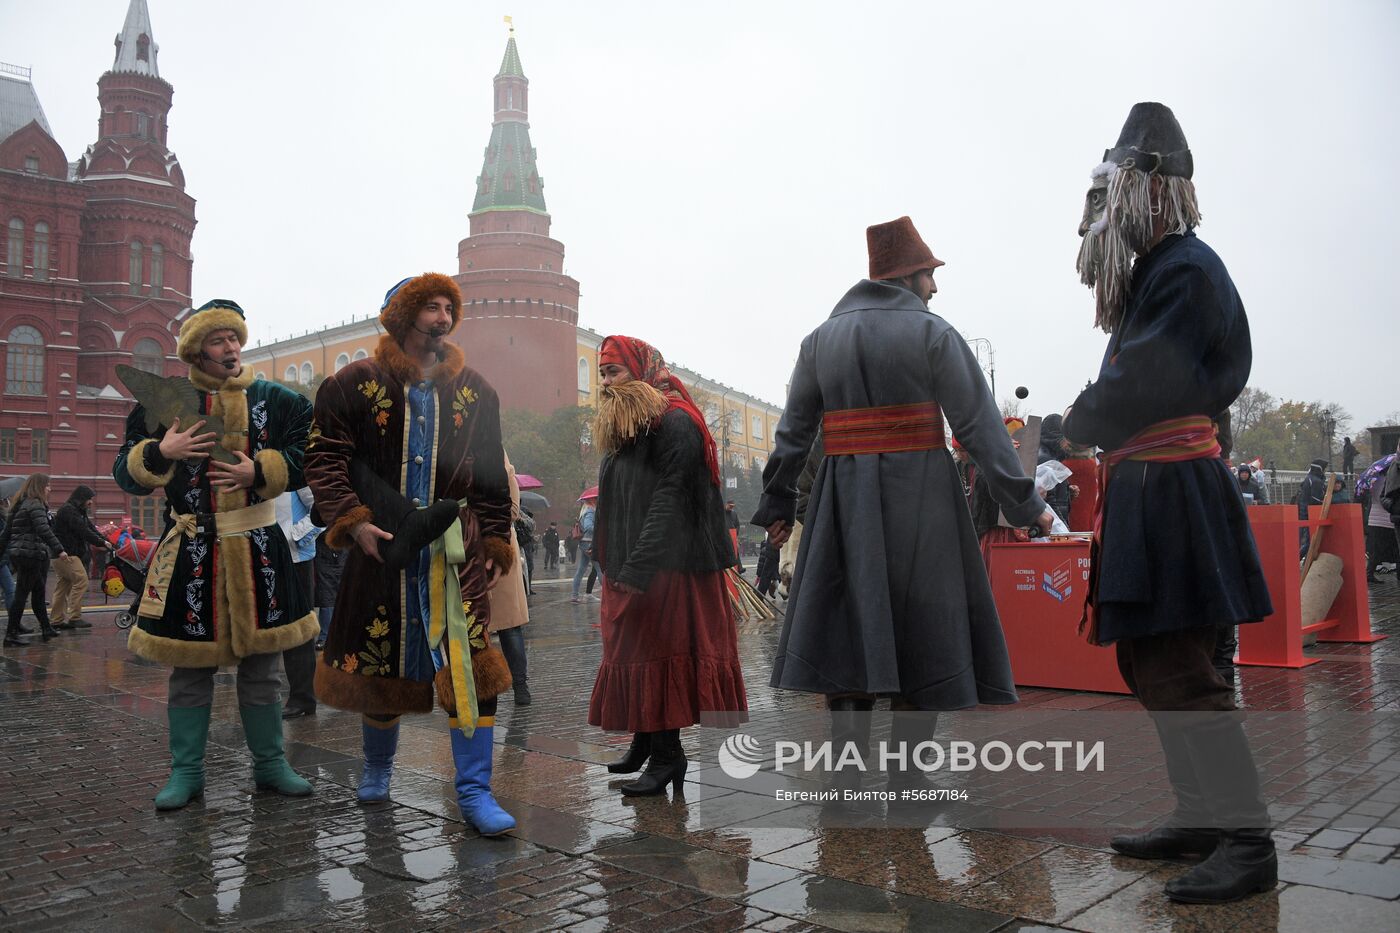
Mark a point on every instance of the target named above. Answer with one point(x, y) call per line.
point(258, 683)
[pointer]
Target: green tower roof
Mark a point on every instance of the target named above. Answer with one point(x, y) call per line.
point(509, 179)
point(510, 64)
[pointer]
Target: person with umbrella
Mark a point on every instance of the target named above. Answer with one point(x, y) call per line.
point(587, 515)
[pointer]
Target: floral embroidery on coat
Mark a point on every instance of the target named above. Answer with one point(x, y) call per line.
point(465, 396)
point(258, 416)
point(269, 575)
point(379, 402)
point(377, 654)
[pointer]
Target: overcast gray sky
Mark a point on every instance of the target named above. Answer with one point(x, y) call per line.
point(711, 168)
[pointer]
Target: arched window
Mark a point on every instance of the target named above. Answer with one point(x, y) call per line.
point(133, 274)
point(24, 362)
point(361, 354)
point(290, 375)
point(583, 383)
point(157, 269)
point(41, 251)
point(756, 425)
point(142, 124)
point(261, 375)
point(148, 356)
point(342, 361)
point(307, 372)
point(14, 255)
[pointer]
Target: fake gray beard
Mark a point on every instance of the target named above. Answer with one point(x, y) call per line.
point(1109, 249)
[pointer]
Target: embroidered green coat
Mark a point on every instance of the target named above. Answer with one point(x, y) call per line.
point(376, 658)
point(235, 596)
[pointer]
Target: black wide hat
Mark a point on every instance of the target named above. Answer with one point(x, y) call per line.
point(1152, 141)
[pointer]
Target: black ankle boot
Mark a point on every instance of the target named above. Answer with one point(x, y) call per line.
point(12, 639)
point(413, 528)
point(636, 756)
point(1244, 862)
point(1188, 831)
point(667, 766)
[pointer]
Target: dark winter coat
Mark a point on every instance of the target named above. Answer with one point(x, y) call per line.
point(1177, 550)
point(372, 662)
point(234, 596)
point(767, 562)
point(28, 535)
point(1253, 487)
point(1059, 498)
point(71, 525)
point(889, 593)
point(1311, 491)
point(328, 566)
point(658, 508)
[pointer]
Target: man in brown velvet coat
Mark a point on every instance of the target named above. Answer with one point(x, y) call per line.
point(402, 437)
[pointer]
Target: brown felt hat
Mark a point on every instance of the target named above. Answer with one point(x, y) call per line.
point(897, 250)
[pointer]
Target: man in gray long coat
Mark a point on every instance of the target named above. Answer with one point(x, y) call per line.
point(889, 595)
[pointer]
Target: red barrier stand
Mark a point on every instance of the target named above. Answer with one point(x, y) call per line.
point(1278, 640)
point(1039, 591)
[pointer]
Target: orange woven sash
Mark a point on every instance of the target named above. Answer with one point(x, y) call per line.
point(1173, 441)
point(890, 429)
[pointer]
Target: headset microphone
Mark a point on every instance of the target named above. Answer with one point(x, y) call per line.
point(226, 364)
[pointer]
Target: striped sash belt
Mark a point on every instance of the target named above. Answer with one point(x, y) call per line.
point(889, 429)
point(1172, 441)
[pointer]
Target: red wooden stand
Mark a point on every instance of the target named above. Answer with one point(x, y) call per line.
point(1278, 640)
point(1039, 592)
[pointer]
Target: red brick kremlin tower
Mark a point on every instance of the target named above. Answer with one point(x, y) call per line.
point(520, 311)
point(96, 270)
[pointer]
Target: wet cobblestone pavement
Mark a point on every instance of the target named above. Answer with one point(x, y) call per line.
point(83, 848)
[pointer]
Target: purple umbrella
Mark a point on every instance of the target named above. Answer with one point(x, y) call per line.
point(1374, 472)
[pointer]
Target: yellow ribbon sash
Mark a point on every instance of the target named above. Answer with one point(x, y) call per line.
point(450, 620)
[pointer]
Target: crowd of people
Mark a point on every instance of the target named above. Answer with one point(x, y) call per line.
point(405, 558)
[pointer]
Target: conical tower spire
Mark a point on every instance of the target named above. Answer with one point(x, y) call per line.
point(509, 178)
point(136, 43)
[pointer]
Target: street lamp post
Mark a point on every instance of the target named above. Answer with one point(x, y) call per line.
point(980, 342)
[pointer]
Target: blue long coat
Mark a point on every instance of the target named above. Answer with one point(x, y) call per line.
point(889, 594)
point(1177, 551)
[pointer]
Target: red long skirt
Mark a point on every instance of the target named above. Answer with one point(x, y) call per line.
point(669, 654)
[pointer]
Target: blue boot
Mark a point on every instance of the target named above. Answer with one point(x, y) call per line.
point(473, 758)
point(381, 742)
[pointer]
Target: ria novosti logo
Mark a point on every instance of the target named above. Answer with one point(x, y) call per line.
point(740, 756)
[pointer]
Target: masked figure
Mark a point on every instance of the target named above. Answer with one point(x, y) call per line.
point(1173, 556)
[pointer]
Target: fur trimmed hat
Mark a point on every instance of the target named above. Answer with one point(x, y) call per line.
point(897, 250)
point(403, 301)
point(219, 314)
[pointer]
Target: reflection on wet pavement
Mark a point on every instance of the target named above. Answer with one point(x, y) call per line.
point(85, 750)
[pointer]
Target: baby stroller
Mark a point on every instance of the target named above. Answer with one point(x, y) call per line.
point(126, 568)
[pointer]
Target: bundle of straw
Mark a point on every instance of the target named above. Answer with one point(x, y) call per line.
point(748, 605)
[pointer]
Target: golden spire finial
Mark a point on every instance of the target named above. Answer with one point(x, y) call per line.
point(511, 23)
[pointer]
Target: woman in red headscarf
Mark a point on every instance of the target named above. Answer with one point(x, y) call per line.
point(670, 647)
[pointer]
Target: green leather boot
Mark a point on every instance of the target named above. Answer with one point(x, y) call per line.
point(263, 727)
point(189, 730)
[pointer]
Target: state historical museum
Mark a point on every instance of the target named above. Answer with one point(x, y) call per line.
point(96, 270)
